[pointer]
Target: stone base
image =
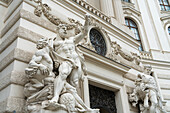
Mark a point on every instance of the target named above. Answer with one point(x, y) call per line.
point(49, 111)
point(64, 111)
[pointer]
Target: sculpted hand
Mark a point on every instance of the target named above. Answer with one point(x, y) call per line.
point(44, 70)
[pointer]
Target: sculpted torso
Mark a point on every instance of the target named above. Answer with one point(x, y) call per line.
point(67, 49)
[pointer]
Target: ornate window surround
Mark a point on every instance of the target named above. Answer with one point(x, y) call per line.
point(95, 24)
point(98, 41)
point(105, 37)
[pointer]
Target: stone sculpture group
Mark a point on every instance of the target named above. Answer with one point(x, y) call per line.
point(54, 73)
point(146, 94)
point(57, 67)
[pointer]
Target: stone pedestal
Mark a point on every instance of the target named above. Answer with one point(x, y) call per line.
point(58, 111)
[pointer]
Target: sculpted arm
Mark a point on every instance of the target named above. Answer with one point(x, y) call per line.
point(36, 61)
point(84, 30)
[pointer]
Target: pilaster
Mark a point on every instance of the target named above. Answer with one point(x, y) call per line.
point(107, 8)
point(119, 11)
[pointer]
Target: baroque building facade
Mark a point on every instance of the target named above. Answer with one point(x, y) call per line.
point(126, 52)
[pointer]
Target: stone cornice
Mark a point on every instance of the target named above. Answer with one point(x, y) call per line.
point(30, 17)
point(93, 10)
point(145, 55)
point(22, 33)
point(157, 63)
point(132, 10)
point(6, 1)
point(51, 27)
point(89, 53)
point(11, 104)
point(165, 17)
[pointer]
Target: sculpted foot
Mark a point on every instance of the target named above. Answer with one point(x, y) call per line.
point(54, 100)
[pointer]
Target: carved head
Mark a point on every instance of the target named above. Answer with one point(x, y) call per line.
point(148, 70)
point(66, 30)
point(42, 43)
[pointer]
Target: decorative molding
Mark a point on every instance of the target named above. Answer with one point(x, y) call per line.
point(6, 1)
point(114, 50)
point(93, 10)
point(132, 10)
point(129, 4)
point(145, 55)
point(96, 25)
point(32, 18)
point(165, 17)
point(12, 104)
point(21, 33)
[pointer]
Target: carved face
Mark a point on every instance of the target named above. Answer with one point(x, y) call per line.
point(41, 43)
point(65, 33)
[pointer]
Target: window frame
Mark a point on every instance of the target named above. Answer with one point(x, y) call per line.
point(164, 5)
point(136, 27)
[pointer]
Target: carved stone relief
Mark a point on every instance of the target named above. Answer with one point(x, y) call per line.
point(146, 94)
point(114, 50)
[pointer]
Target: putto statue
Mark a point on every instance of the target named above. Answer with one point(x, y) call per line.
point(146, 94)
point(55, 71)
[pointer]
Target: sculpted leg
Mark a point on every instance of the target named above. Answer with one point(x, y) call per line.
point(80, 102)
point(146, 105)
point(64, 71)
point(154, 103)
point(76, 74)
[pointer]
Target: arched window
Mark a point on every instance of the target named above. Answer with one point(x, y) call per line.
point(132, 26)
point(169, 30)
point(98, 42)
point(164, 5)
point(126, 0)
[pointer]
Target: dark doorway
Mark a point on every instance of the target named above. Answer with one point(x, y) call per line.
point(102, 99)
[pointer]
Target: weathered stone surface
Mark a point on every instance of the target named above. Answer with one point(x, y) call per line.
point(30, 17)
point(22, 33)
point(14, 77)
point(16, 54)
point(12, 104)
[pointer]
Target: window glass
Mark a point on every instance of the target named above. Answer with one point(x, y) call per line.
point(169, 30)
point(164, 4)
point(98, 42)
point(132, 26)
point(126, 0)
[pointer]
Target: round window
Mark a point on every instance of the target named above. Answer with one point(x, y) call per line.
point(98, 42)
